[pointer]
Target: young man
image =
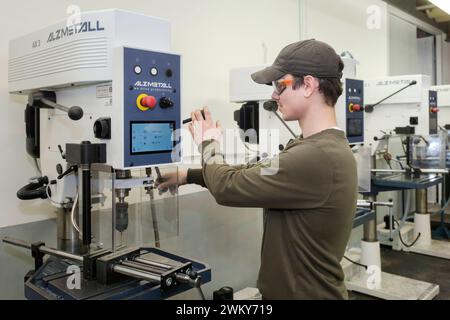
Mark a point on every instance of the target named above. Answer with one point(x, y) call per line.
point(311, 201)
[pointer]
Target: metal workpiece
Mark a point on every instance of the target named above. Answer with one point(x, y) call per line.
point(143, 267)
point(421, 201)
point(187, 276)
point(104, 271)
point(153, 263)
point(127, 271)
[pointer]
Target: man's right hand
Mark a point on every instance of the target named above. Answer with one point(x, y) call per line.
point(171, 181)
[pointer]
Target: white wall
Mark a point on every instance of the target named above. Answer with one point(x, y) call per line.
point(426, 57)
point(213, 36)
point(351, 26)
point(403, 57)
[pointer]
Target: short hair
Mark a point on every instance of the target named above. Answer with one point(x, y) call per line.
point(331, 88)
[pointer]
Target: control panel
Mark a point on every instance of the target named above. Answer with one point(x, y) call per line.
point(433, 112)
point(354, 102)
point(152, 108)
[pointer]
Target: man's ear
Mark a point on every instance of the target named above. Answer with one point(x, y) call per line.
point(311, 84)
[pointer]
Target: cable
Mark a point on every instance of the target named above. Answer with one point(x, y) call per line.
point(72, 214)
point(400, 236)
point(357, 263)
point(38, 168)
point(50, 198)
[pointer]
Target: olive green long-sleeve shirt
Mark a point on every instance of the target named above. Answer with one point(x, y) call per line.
point(309, 192)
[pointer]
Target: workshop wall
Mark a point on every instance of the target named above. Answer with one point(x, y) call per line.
point(403, 55)
point(359, 27)
point(213, 36)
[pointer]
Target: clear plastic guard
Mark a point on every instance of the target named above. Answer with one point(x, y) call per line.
point(429, 152)
point(128, 210)
point(363, 162)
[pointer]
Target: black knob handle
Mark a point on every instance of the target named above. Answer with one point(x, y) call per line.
point(270, 106)
point(166, 103)
point(192, 274)
point(368, 108)
point(102, 128)
point(75, 113)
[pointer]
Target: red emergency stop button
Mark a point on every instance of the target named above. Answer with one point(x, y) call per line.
point(357, 107)
point(145, 102)
point(354, 107)
point(149, 102)
point(434, 110)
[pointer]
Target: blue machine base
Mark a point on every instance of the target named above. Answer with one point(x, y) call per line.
point(50, 283)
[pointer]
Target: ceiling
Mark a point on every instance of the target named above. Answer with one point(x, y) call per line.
point(433, 12)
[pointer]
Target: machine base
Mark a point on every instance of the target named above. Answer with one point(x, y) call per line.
point(437, 248)
point(392, 287)
point(50, 283)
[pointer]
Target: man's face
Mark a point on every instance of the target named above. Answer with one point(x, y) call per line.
point(291, 103)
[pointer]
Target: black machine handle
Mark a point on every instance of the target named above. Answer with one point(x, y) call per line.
point(47, 100)
point(369, 108)
point(75, 113)
point(42, 100)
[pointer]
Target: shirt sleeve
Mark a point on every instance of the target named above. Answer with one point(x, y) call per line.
point(195, 176)
point(301, 177)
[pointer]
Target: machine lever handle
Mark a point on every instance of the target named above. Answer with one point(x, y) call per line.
point(68, 171)
point(75, 113)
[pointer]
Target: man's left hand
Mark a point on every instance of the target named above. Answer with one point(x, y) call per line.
point(203, 129)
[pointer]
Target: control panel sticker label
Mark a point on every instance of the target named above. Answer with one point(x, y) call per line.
point(104, 91)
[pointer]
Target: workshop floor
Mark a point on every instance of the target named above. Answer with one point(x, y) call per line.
point(415, 266)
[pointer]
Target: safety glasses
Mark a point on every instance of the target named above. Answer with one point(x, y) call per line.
point(280, 85)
